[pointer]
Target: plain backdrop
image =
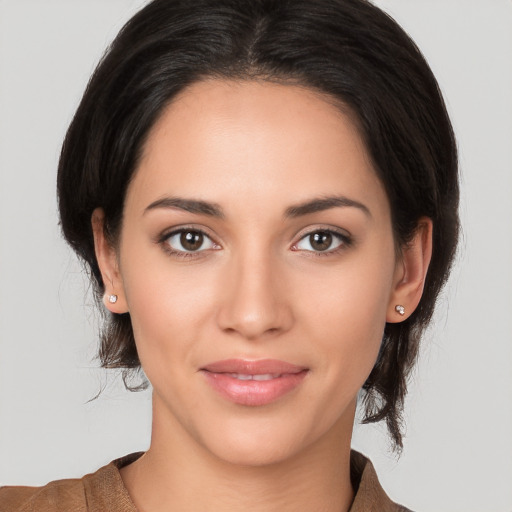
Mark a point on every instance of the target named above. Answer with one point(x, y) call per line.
point(458, 449)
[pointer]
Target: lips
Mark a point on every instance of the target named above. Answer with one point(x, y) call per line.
point(253, 383)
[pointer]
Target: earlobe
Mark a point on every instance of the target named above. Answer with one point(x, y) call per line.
point(113, 297)
point(411, 273)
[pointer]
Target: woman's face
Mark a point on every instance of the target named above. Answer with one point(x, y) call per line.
point(257, 262)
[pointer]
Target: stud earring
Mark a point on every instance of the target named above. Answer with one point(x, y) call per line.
point(400, 310)
point(112, 299)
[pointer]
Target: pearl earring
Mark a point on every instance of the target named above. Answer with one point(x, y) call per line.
point(400, 310)
point(112, 299)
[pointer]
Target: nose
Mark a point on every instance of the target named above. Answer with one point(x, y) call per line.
point(255, 301)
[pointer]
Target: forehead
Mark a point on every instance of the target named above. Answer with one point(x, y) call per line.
point(261, 141)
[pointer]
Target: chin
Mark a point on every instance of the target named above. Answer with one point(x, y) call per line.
point(258, 442)
point(254, 454)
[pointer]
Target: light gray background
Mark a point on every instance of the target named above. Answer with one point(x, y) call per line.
point(458, 450)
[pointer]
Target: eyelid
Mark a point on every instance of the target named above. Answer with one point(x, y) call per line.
point(176, 230)
point(166, 233)
point(345, 237)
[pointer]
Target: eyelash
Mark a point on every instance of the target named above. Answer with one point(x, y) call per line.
point(164, 239)
point(345, 242)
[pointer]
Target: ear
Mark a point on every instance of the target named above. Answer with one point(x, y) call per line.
point(106, 255)
point(410, 273)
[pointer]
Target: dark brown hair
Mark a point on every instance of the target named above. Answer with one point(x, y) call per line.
point(348, 49)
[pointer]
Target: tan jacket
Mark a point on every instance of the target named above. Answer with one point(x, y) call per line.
point(104, 491)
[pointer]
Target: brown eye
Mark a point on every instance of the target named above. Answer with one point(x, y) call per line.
point(320, 241)
point(189, 240)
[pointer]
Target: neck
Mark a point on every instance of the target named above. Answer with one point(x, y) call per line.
point(177, 473)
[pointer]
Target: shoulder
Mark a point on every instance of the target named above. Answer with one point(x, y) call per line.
point(370, 496)
point(96, 492)
point(57, 495)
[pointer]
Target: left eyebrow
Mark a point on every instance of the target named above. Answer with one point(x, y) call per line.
point(324, 203)
point(188, 205)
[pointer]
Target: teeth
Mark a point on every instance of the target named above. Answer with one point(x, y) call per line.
point(264, 376)
point(240, 376)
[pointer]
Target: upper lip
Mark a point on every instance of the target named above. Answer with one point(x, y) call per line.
point(248, 367)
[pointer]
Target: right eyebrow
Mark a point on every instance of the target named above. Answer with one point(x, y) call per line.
point(325, 203)
point(189, 205)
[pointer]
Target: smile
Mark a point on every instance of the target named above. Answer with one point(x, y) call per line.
point(253, 383)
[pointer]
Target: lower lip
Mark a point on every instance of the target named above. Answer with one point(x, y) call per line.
point(254, 392)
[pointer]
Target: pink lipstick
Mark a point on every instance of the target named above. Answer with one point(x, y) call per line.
point(253, 382)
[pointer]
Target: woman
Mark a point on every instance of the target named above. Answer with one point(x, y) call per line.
point(266, 196)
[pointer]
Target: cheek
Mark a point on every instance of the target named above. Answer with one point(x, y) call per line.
point(169, 305)
point(347, 315)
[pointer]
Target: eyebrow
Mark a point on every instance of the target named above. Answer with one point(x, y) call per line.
point(214, 210)
point(188, 205)
point(325, 203)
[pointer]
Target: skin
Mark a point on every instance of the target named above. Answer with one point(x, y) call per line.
point(258, 290)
